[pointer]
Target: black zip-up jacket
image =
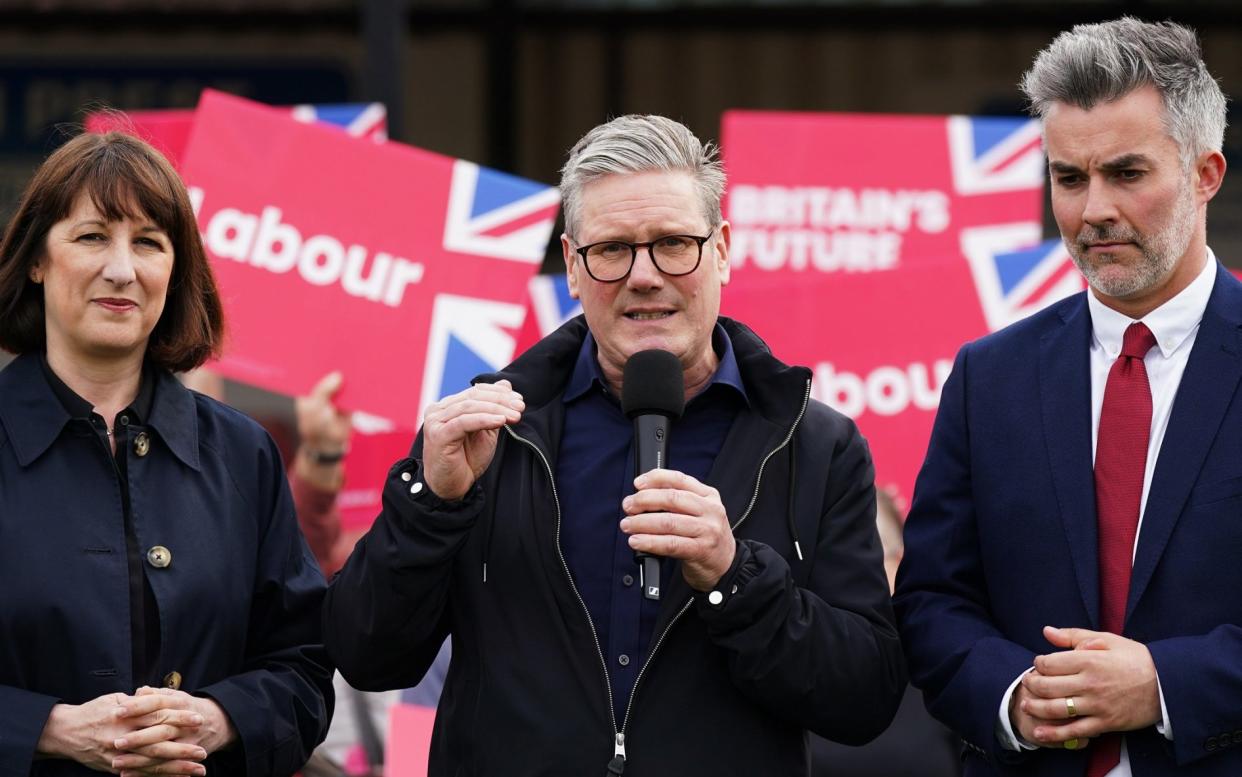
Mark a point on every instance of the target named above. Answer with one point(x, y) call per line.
point(728, 689)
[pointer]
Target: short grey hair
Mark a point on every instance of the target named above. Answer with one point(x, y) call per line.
point(1095, 63)
point(638, 144)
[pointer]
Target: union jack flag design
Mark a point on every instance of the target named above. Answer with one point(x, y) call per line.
point(994, 154)
point(499, 215)
point(468, 336)
point(362, 120)
point(1015, 274)
point(551, 303)
point(548, 305)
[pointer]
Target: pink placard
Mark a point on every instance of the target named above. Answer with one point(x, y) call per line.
point(397, 266)
point(870, 248)
point(409, 740)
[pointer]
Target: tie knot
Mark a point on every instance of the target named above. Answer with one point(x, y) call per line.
point(1137, 340)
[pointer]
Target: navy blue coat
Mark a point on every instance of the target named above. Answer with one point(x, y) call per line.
point(1001, 541)
point(238, 604)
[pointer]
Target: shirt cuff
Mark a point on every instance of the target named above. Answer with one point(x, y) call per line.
point(1009, 738)
point(1165, 727)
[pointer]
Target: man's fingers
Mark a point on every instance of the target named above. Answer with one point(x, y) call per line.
point(1065, 662)
point(1055, 710)
point(667, 500)
point(671, 478)
point(454, 432)
point(1082, 729)
point(474, 407)
point(1053, 686)
point(673, 524)
point(1071, 637)
point(669, 545)
point(491, 391)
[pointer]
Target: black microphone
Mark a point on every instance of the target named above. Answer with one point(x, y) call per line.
point(653, 392)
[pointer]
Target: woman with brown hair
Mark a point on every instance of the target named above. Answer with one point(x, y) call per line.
point(160, 610)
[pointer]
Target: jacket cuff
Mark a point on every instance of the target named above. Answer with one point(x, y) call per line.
point(259, 748)
point(407, 491)
point(725, 603)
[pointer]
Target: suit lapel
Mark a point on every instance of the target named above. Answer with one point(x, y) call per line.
point(1206, 390)
point(1065, 401)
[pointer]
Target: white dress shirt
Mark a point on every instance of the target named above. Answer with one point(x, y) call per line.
point(1174, 324)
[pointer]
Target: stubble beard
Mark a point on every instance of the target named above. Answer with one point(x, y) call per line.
point(1159, 252)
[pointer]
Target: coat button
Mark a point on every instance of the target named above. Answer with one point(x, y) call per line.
point(159, 557)
point(142, 444)
point(173, 680)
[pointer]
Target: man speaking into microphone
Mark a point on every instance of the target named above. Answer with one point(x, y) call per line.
point(520, 521)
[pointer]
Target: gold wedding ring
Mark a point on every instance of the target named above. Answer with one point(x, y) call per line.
point(1071, 744)
point(1070, 710)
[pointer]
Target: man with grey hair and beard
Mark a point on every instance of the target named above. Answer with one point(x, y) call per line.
point(513, 524)
point(1067, 599)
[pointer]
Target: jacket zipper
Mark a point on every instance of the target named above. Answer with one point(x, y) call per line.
point(618, 759)
point(672, 622)
point(616, 766)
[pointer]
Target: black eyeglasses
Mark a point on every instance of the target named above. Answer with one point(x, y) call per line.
point(612, 260)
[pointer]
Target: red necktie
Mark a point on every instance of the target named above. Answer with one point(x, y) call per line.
point(1120, 461)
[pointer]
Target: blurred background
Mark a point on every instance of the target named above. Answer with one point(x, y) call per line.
point(512, 83)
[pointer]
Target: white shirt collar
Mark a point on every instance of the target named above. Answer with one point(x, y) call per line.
point(1171, 323)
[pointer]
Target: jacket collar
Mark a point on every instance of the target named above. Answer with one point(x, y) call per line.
point(174, 416)
point(34, 417)
point(542, 373)
point(587, 373)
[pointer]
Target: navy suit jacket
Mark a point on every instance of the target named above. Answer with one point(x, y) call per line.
point(1001, 541)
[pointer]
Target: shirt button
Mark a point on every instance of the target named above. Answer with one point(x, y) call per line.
point(406, 476)
point(173, 680)
point(159, 557)
point(416, 488)
point(623, 660)
point(142, 444)
point(715, 598)
point(627, 581)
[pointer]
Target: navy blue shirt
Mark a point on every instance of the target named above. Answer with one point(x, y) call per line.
point(595, 471)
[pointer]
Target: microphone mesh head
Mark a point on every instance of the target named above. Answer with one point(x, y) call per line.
point(653, 384)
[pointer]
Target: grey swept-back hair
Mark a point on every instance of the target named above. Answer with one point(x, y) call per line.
point(1096, 63)
point(638, 144)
